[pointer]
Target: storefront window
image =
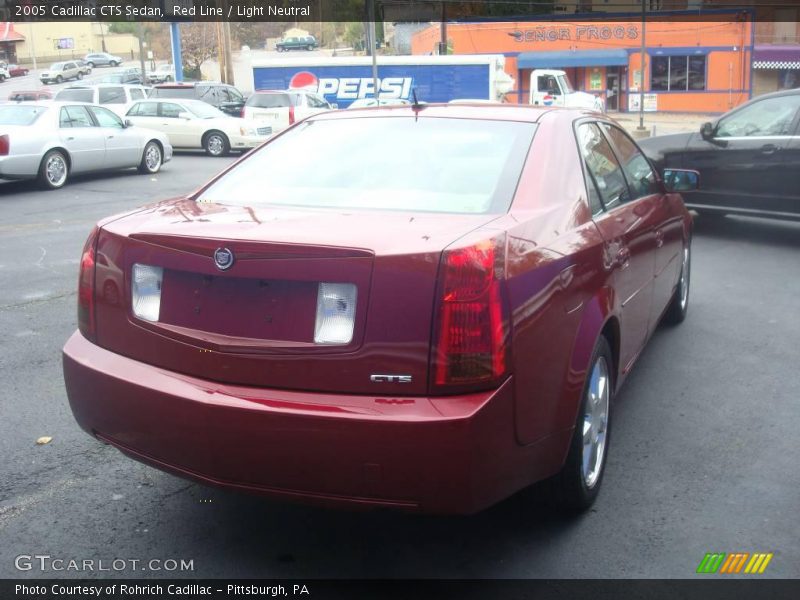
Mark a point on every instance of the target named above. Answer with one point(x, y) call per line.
point(678, 73)
point(788, 79)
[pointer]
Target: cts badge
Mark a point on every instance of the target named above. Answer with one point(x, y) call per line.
point(223, 258)
point(390, 378)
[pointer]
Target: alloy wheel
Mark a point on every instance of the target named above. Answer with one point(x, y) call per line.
point(56, 170)
point(595, 422)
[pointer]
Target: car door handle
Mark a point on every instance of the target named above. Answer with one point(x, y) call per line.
point(70, 138)
point(111, 137)
point(769, 149)
point(659, 238)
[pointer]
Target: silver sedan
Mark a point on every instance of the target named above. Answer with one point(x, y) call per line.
point(49, 141)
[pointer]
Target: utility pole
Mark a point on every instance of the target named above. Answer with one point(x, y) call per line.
point(177, 55)
point(373, 53)
point(641, 71)
point(443, 31)
point(226, 37)
point(33, 45)
point(141, 51)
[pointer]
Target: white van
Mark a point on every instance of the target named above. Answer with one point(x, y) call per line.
point(113, 96)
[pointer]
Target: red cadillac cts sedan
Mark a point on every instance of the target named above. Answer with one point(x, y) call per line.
point(420, 307)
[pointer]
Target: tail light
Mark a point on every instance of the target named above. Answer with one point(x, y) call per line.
point(86, 299)
point(5, 145)
point(471, 344)
point(291, 115)
point(242, 112)
point(336, 311)
point(146, 291)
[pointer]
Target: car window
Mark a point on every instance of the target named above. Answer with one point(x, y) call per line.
point(269, 100)
point(106, 118)
point(173, 92)
point(20, 115)
point(767, 117)
point(170, 110)
point(144, 109)
point(136, 94)
point(75, 116)
point(638, 170)
point(547, 83)
point(75, 95)
point(70, 66)
point(605, 171)
point(458, 166)
point(112, 95)
point(221, 95)
point(235, 95)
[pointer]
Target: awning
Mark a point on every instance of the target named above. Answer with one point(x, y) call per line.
point(7, 33)
point(769, 56)
point(575, 58)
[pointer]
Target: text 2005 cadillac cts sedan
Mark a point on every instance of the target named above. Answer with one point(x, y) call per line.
point(419, 307)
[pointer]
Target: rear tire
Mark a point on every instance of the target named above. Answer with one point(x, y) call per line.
point(59, 79)
point(79, 76)
point(113, 63)
point(679, 305)
point(152, 158)
point(575, 488)
point(91, 64)
point(216, 143)
point(53, 170)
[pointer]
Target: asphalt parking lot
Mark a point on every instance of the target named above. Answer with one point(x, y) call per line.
point(703, 456)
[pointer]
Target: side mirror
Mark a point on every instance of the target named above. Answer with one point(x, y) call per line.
point(184, 115)
point(127, 123)
point(707, 131)
point(334, 105)
point(681, 180)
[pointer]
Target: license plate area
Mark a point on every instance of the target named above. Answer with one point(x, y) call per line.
point(241, 307)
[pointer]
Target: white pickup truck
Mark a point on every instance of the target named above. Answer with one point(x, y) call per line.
point(552, 88)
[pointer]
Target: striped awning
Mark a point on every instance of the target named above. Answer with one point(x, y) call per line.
point(776, 64)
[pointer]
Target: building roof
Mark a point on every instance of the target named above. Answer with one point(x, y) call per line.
point(8, 34)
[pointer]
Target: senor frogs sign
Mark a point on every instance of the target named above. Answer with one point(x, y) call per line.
point(577, 33)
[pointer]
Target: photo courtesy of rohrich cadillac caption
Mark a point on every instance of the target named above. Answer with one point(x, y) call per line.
point(399, 299)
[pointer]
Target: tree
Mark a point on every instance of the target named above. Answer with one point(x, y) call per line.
point(198, 43)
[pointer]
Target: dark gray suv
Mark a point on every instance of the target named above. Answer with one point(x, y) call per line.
point(225, 97)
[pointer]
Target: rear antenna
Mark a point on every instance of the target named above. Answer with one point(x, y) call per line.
point(416, 106)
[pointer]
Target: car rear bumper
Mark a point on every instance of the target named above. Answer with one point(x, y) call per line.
point(19, 166)
point(452, 454)
point(247, 141)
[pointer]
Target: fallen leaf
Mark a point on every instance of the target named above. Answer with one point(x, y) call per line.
point(45, 439)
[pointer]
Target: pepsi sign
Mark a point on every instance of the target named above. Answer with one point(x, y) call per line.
point(352, 88)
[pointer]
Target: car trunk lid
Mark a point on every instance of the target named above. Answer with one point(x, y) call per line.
point(254, 323)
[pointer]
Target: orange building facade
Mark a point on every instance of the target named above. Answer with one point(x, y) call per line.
point(690, 66)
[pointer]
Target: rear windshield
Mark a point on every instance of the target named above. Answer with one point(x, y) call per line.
point(75, 96)
point(387, 163)
point(269, 100)
point(182, 92)
point(20, 114)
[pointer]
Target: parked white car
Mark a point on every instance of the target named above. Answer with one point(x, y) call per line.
point(279, 109)
point(61, 71)
point(194, 124)
point(116, 97)
point(4, 74)
point(162, 74)
point(50, 141)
